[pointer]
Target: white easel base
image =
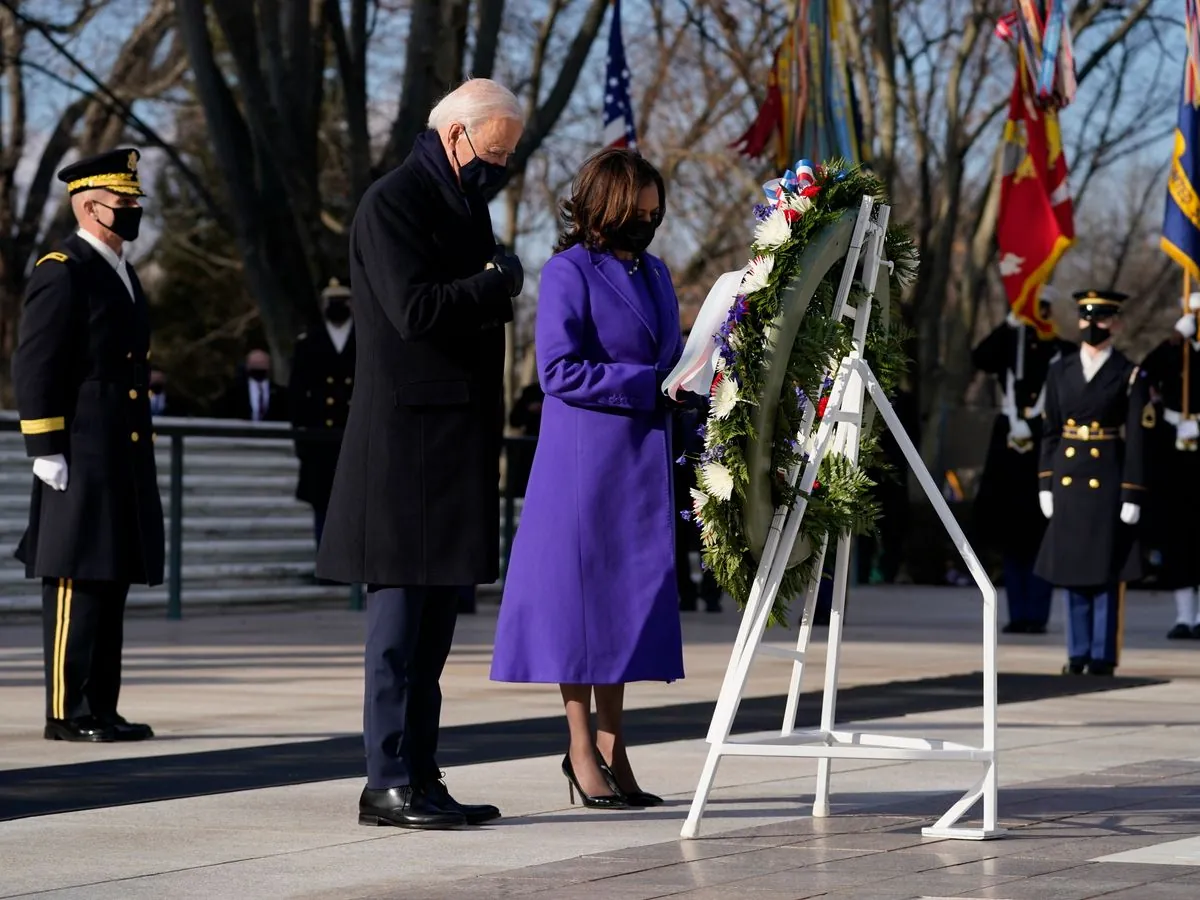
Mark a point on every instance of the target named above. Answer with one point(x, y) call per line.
point(853, 745)
point(963, 834)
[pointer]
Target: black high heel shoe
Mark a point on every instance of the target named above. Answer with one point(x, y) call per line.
point(633, 798)
point(615, 800)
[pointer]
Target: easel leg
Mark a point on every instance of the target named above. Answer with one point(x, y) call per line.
point(691, 828)
point(832, 660)
point(803, 640)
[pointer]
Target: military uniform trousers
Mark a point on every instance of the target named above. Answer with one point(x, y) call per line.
point(409, 632)
point(82, 635)
point(1029, 595)
point(1094, 624)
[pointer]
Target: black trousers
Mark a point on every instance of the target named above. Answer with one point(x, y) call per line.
point(409, 632)
point(83, 628)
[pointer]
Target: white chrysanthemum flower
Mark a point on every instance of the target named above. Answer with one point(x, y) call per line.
point(699, 498)
point(717, 481)
point(774, 231)
point(758, 273)
point(724, 397)
point(799, 203)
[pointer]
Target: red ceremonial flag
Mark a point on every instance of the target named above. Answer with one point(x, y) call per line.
point(1036, 220)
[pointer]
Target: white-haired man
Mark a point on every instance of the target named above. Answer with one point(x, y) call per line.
point(414, 512)
point(95, 519)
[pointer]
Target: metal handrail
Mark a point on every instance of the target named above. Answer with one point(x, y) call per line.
point(177, 428)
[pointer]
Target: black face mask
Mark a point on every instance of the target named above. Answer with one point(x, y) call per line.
point(478, 176)
point(257, 374)
point(1094, 335)
point(633, 237)
point(127, 220)
point(337, 311)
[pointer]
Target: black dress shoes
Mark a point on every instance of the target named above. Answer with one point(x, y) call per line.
point(86, 729)
point(405, 807)
point(126, 731)
point(474, 813)
point(1179, 632)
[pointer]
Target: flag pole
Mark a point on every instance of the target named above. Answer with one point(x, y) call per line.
point(1186, 356)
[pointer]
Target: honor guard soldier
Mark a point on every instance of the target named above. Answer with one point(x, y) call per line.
point(95, 519)
point(1091, 483)
point(322, 379)
point(1173, 371)
point(1006, 507)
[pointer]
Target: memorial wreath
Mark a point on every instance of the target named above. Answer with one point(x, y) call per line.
point(802, 208)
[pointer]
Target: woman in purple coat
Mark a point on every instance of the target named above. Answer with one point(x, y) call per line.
point(590, 601)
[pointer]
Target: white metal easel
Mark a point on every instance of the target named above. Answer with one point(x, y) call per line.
point(839, 431)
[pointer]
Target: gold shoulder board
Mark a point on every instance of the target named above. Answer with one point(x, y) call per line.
point(56, 257)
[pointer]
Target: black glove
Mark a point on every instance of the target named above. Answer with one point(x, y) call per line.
point(510, 266)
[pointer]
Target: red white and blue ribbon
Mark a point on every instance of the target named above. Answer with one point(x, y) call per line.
point(792, 181)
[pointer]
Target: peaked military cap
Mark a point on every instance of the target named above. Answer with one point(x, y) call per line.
point(114, 171)
point(335, 289)
point(1099, 304)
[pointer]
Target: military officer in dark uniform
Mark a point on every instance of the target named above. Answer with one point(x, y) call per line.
point(322, 379)
point(1091, 483)
point(1006, 507)
point(1177, 468)
point(414, 513)
point(95, 519)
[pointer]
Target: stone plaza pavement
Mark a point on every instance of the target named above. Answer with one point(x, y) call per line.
point(249, 790)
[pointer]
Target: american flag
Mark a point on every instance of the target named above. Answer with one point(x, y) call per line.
point(618, 110)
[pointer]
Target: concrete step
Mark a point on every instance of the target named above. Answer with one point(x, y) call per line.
point(16, 482)
point(156, 598)
point(219, 572)
point(301, 521)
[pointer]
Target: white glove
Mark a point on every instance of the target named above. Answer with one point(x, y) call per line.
point(1130, 513)
point(1186, 326)
point(1187, 430)
point(1046, 499)
point(52, 470)
point(1020, 431)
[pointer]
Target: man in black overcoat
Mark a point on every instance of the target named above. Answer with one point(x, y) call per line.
point(1176, 470)
point(1006, 508)
point(1092, 484)
point(319, 397)
point(95, 516)
point(415, 509)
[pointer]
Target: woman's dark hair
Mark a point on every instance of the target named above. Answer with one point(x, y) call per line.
point(604, 198)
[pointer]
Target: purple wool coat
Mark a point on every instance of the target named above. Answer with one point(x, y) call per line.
point(590, 596)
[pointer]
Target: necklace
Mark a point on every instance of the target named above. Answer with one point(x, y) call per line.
point(637, 261)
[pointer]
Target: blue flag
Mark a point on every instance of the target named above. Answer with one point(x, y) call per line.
point(1181, 220)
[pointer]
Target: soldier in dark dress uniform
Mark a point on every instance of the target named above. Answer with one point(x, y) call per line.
point(95, 518)
point(1006, 507)
point(1177, 468)
point(1092, 484)
point(319, 393)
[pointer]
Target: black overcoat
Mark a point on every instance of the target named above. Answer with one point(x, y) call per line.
point(1006, 511)
point(319, 397)
point(416, 495)
point(1174, 474)
point(1093, 461)
point(80, 373)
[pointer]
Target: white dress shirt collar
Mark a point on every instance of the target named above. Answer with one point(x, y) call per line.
point(114, 259)
point(1092, 362)
point(339, 334)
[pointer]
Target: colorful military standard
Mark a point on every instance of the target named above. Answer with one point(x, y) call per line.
point(1092, 485)
point(95, 518)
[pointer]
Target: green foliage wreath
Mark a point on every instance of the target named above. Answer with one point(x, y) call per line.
point(841, 501)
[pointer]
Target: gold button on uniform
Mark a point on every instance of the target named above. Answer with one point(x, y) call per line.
point(1070, 452)
point(134, 437)
point(349, 381)
point(1093, 482)
point(129, 356)
point(329, 379)
point(329, 401)
point(1095, 453)
point(1066, 482)
point(1071, 422)
point(132, 394)
point(1083, 432)
point(1095, 425)
point(329, 423)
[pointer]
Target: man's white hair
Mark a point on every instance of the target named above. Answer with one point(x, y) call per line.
point(475, 101)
